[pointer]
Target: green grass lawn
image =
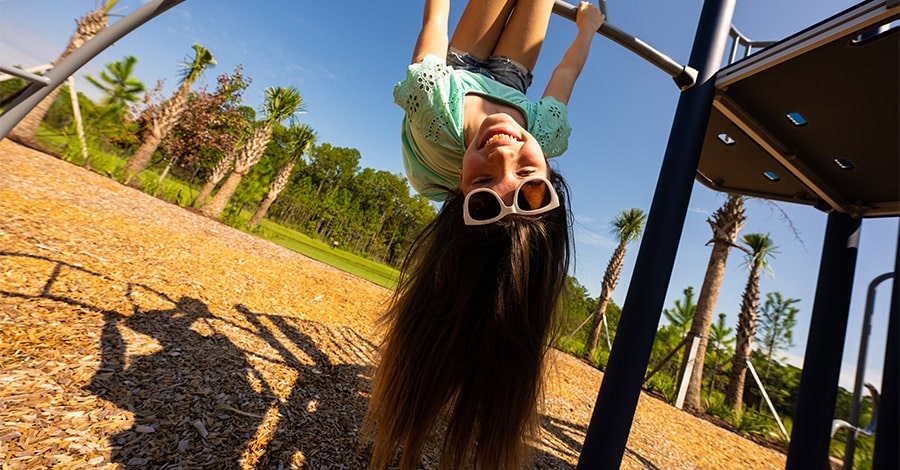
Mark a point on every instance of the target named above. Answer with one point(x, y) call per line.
point(371, 271)
point(182, 194)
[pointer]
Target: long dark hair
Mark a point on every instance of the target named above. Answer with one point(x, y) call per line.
point(467, 331)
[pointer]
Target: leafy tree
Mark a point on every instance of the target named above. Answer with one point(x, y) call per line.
point(661, 368)
point(777, 319)
point(726, 223)
point(117, 83)
point(367, 212)
point(627, 226)
point(760, 251)
point(576, 307)
point(301, 137)
point(86, 28)
point(332, 166)
point(330, 169)
point(782, 385)
point(8, 89)
point(159, 120)
point(281, 103)
point(379, 212)
point(721, 340)
point(670, 338)
point(680, 317)
point(416, 213)
point(107, 127)
point(208, 129)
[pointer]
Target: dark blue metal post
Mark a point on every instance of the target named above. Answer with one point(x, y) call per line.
point(886, 455)
point(824, 345)
point(610, 424)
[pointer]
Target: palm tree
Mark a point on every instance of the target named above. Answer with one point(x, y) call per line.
point(161, 120)
point(280, 103)
point(761, 250)
point(86, 28)
point(220, 170)
point(118, 86)
point(726, 223)
point(721, 341)
point(626, 227)
point(301, 138)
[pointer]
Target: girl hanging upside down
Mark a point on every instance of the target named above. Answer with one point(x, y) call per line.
point(472, 317)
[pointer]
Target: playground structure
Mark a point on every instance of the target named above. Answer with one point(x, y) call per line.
point(749, 129)
point(784, 123)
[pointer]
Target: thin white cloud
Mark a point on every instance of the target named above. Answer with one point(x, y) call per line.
point(586, 236)
point(19, 46)
point(700, 210)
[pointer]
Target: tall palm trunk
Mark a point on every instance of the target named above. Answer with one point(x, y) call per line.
point(248, 156)
point(156, 131)
point(86, 28)
point(223, 166)
point(278, 184)
point(744, 345)
point(610, 279)
point(725, 224)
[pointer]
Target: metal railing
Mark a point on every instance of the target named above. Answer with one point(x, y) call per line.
point(739, 41)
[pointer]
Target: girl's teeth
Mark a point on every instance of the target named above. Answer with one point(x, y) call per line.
point(497, 137)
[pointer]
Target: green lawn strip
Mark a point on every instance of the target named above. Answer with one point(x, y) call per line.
point(182, 194)
point(358, 266)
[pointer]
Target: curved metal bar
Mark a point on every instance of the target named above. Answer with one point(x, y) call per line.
point(684, 76)
point(855, 405)
point(35, 92)
point(25, 75)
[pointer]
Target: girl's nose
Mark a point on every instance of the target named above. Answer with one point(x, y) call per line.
point(506, 188)
point(505, 153)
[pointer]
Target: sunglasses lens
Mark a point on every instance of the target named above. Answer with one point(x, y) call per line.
point(483, 206)
point(533, 195)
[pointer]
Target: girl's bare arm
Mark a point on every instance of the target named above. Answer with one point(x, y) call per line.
point(562, 81)
point(434, 36)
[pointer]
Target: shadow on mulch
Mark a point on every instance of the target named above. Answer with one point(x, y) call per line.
point(567, 437)
point(198, 403)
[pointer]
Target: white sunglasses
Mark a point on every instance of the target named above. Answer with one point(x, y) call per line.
point(534, 195)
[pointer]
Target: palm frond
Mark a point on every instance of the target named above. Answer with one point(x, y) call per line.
point(191, 69)
point(282, 103)
point(628, 225)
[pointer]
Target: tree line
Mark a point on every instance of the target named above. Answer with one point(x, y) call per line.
point(243, 161)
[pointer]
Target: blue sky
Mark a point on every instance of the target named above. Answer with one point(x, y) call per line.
point(345, 57)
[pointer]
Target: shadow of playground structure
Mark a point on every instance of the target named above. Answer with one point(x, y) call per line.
point(274, 392)
point(201, 401)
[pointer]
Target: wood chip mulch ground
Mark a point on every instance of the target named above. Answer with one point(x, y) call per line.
point(138, 334)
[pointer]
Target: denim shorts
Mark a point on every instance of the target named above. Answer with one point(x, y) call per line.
point(498, 68)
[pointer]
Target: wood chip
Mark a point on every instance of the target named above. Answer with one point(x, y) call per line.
point(135, 333)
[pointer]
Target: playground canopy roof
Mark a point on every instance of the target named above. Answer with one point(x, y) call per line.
point(815, 118)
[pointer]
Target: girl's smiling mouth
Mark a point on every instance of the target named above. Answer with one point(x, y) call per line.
point(498, 135)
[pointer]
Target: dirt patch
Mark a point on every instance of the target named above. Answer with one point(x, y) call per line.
point(137, 334)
